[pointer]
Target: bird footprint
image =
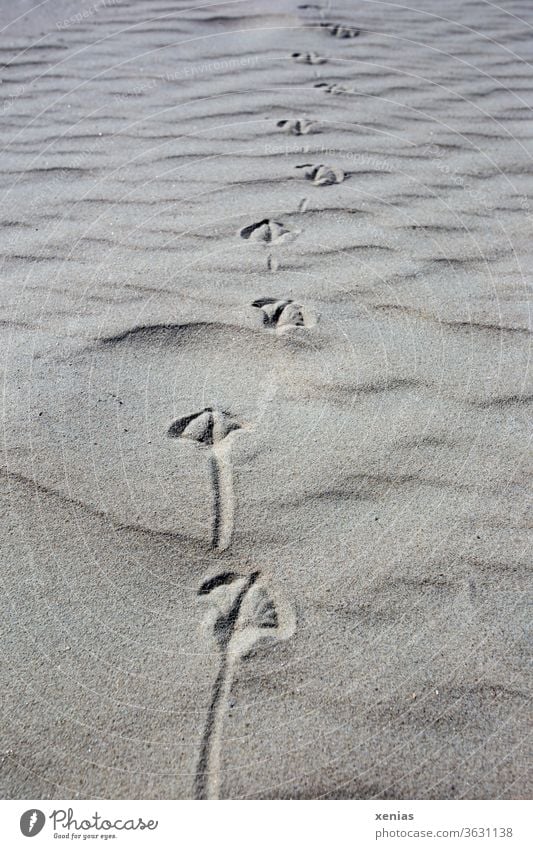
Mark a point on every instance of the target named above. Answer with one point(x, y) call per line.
point(281, 313)
point(267, 231)
point(323, 175)
point(341, 31)
point(297, 127)
point(209, 428)
point(334, 88)
point(243, 613)
point(311, 58)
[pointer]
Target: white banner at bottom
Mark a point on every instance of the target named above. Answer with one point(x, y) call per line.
point(267, 825)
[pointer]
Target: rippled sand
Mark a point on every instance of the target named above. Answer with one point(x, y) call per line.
point(265, 340)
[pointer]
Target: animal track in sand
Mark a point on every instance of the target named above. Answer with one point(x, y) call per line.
point(209, 428)
point(281, 313)
point(268, 231)
point(298, 126)
point(272, 263)
point(311, 58)
point(323, 175)
point(334, 88)
point(341, 31)
point(243, 614)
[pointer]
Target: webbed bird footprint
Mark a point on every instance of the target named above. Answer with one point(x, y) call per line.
point(282, 313)
point(334, 88)
point(268, 231)
point(311, 58)
point(207, 427)
point(323, 175)
point(243, 613)
point(341, 31)
point(210, 427)
point(257, 608)
point(298, 126)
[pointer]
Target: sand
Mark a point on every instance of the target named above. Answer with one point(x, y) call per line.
point(304, 252)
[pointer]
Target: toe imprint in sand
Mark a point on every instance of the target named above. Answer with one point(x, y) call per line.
point(243, 613)
point(267, 231)
point(309, 58)
point(297, 127)
point(333, 88)
point(209, 428)
point(341, 31)
point(323, 175)
point(281, 313)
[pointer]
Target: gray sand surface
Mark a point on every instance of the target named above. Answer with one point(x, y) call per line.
point(360, 494)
